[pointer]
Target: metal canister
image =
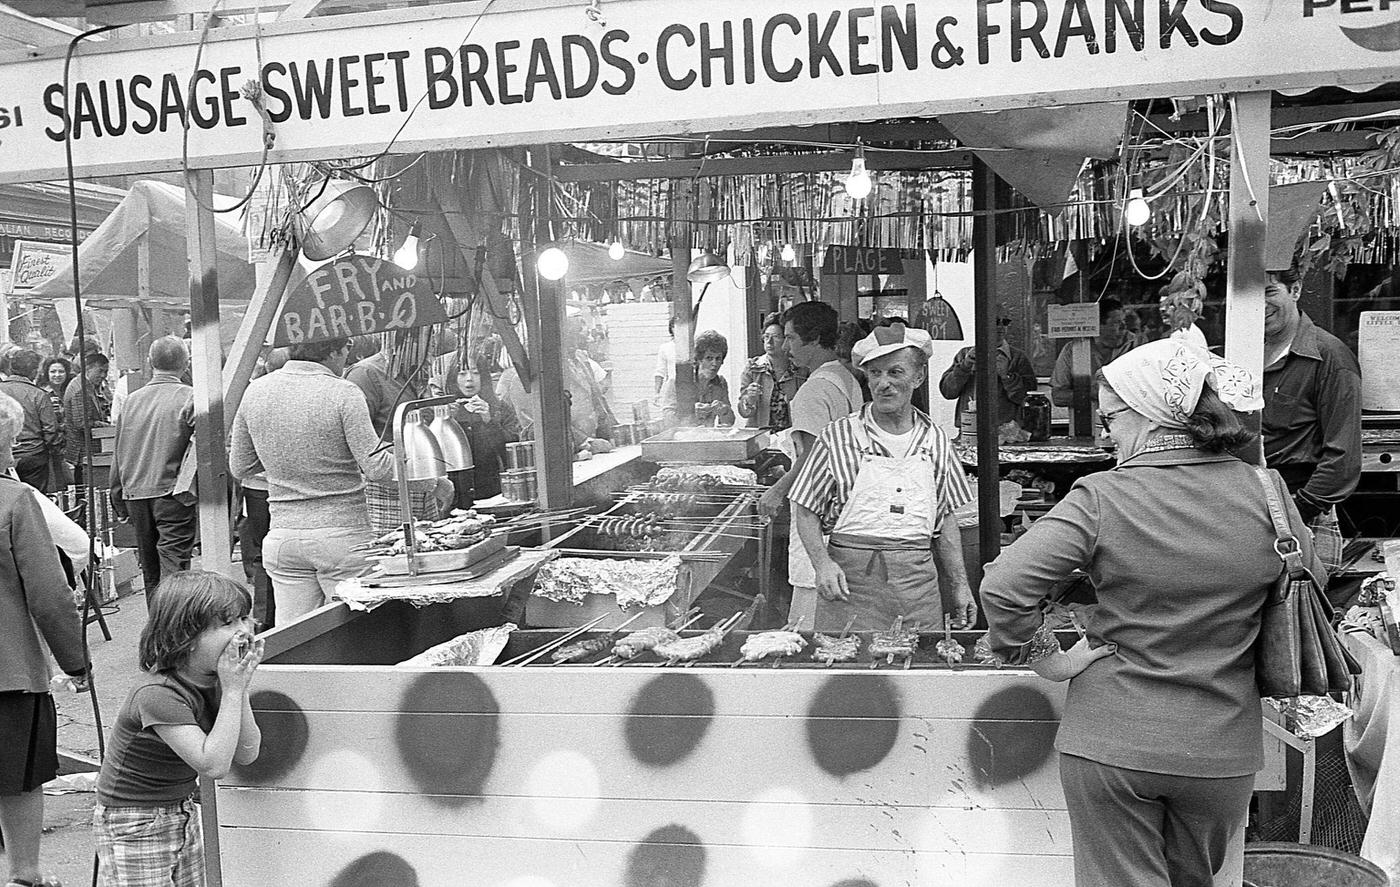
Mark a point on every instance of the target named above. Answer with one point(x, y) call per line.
point(513, 485)
point(530, 489)
point(520, 455)
point(1037, 417)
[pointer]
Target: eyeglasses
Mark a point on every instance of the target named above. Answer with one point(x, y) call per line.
point(773, 337)
point(1106, 419)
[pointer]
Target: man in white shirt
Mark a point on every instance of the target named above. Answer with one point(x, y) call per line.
point(830, 392)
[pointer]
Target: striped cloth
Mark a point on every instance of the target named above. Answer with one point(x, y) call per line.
point(149, 846)
point(825, 480)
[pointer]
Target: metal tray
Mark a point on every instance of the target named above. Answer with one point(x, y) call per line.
point(701, 445)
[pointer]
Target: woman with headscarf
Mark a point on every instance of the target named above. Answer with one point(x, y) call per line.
point(1160, 737)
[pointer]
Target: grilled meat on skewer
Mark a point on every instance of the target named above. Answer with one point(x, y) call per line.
point(949, 650)
point(831, 650)
point(691, 648)
point(638, 642)
point(579, 650)
point(772, 643)
point(895, 642)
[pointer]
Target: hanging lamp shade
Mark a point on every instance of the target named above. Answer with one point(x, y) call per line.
point(452, 439)
point(329, 224)
point(707, 268)
point(422, 454)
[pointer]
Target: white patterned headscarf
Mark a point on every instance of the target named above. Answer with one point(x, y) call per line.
point(1163, 381)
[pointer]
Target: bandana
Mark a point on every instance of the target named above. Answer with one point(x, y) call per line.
point(1163, 381)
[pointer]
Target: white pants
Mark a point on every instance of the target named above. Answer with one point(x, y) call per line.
point(306, 564)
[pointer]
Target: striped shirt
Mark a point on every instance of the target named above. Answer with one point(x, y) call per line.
point(825, 481)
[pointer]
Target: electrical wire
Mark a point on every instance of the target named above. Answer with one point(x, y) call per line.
point(83, 383)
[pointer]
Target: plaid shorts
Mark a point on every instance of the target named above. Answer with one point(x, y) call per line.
point(1327, 540)
point(385, 514)
point(149, 846)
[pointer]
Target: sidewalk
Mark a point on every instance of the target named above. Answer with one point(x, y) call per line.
point(68, 846)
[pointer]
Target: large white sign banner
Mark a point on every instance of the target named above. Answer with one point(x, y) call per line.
point(520, 72)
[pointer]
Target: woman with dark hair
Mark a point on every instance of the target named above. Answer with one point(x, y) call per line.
point(711, 389)
point(769, 381)
point(53, 378)
point(490, 424)
point(1160, 737)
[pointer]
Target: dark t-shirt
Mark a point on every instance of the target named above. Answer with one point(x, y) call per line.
point(140, 770)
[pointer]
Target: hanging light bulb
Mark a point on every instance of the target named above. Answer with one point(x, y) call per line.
point(859, 183)
point(407, 255)
point(552, 264)
point(1136, 211)
point(789, 254)
point(617, 251)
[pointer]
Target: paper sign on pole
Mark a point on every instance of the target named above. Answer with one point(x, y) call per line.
point(1075, 321)
point(1378, 351)
point(35, 262)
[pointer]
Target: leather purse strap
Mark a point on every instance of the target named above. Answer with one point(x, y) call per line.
point(1289, 551)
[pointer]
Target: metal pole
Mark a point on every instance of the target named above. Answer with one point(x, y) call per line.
point(984, 276)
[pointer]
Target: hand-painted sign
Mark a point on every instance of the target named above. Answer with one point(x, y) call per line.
point(1072, 321)
point(474, 75)
point(356, 296)
point(33, 263)
point(862, 260)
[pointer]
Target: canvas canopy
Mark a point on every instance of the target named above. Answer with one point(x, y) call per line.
point(108, 258)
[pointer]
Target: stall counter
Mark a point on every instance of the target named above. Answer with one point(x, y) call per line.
point(633, 776)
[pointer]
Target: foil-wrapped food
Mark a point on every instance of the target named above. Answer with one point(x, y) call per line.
point(636, 582)
point(479, 647)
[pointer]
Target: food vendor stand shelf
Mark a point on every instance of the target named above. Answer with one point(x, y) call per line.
point(704, 445)
point(614, 776)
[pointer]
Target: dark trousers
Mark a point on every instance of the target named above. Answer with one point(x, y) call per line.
point(1150, 829)
point(34, 470)
point(165, 533)
point(255, 524)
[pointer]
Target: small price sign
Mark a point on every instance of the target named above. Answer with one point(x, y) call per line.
point(1072, 321)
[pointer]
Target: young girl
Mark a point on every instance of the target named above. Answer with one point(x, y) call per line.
point(188, 717)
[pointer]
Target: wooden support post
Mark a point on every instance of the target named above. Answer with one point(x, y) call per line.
point(252, 332)
point(544, 321)
point(1249, 214)
point(207, 370)
point(682, 299)
point(984, 275)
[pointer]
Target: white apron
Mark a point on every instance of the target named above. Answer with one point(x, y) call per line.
point(883, 541)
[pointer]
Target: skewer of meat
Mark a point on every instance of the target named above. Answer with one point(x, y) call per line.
point(583, 649)
point(842, 648)
point(532, 655)
point(638, 642)
point(949, 650)
point(892, 643)
point(779, 643)
point(690, 649)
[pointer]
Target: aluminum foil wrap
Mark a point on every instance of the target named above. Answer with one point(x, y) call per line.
point(639, 582)
point(479, 647)
point(1310, 717)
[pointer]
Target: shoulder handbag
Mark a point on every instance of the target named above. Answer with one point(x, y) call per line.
point(1298, 652)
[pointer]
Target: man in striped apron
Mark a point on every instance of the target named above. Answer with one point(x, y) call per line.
point(884, 482)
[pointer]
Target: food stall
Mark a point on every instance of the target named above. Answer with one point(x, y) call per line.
point(543, 775)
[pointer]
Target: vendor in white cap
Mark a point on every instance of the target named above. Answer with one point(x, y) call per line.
point(884, 482)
